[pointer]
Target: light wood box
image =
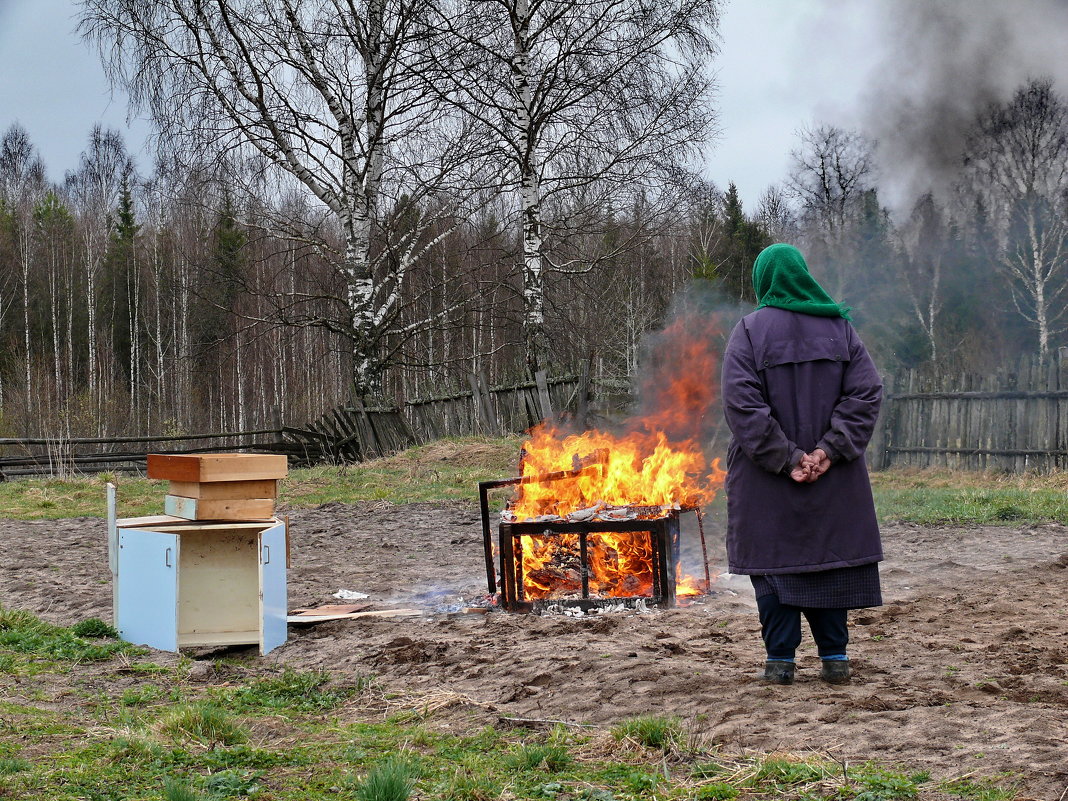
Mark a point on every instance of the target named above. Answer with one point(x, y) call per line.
point(201, 468)
point(200, 509)
point(226, 490)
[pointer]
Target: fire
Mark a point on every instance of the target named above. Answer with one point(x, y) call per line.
point(636, 469)
point(655, 465)
point(620, 566)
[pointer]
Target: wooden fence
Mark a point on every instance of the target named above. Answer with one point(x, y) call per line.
point(1014, 419)
point(347, 433)
point(498, 410)
point(60, 456)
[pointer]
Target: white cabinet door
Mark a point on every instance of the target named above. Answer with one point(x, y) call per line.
point(273, 600)
point(148, 588)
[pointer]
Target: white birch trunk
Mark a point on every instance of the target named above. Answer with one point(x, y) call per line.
point(1041, 315)
point(68, 349)
point(932, 318)
point(239, 379)
point(53, 292)
point(161, 373)
point(90, 299)
point(24, 248)
point(2, 307)
point(361, 206)
point(184, 349)
point(534, 336)
point(135, 349)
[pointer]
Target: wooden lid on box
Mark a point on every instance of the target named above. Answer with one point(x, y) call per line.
point(216, 466)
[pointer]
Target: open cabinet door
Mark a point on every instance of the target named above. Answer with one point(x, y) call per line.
point(147, 597)
point(273, 600)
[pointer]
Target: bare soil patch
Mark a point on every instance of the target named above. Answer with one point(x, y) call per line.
point(963, 671)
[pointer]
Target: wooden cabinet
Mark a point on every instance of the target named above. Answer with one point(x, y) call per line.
point(182, 583)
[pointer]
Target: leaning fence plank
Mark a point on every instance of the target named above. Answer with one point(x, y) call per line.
point(544, 401)
point(582, 399)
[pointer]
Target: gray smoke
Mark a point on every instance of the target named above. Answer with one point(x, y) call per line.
point(944, 61)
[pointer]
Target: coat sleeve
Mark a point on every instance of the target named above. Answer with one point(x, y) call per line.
point(857, 410)
point(755, 429)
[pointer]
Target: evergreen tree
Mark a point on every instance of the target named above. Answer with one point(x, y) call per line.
point(120, 285)
point(212, 321)
point(733, 248)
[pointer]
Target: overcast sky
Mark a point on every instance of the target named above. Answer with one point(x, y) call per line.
point(783, 63)
point(53, 84)
point(778, 59)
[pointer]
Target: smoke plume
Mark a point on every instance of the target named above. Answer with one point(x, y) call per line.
point(677, 386)
point(943, 62)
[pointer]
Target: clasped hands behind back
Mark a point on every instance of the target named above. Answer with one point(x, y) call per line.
point(811, 467)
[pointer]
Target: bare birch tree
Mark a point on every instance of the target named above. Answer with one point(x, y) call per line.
point(831, 171)
point(589, 103)
point(53, 228)
point(22, 182)
point(332, 94)
point(1017, 162)
point(925, 243)
point(777, 215)
point(94, 189)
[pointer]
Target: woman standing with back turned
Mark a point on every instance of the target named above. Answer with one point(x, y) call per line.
point(801, 396)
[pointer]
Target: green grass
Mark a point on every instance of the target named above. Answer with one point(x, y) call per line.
point(311, 736)
point(716, 792)
point(204, 723)
point(785, 771)
point(27, 639)
point(179, 790)
point(10, 765)
point(994, 505)
point(293, 691)
point(95, 629)
point(439, 471)
point(547, 757)
point(393, 779)
point(651, 731)
point(977, 790)
point(449, 470)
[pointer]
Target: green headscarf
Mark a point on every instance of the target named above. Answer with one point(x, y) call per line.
point(781, 279)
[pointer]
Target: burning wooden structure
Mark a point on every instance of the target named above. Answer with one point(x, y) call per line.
point(596, 556)
point(595, 519)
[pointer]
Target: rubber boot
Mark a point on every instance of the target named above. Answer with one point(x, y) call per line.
point(779, 672)
point(835, 671)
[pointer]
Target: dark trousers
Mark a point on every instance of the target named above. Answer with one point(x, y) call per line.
point(780, 626)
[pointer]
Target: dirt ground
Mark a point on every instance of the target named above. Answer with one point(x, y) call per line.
point(963, 671)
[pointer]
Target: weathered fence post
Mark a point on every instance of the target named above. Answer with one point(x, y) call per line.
point(480, 397)
point(544, 401)
point(490, 406)
point(582, 397)
point(878, 455)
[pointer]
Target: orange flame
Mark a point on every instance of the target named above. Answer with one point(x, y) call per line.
point(636, 469)
point(655, 463)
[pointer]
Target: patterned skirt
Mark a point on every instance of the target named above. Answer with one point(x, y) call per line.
point(840, 588)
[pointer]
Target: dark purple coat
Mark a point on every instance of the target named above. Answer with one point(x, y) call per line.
point(791, 383)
